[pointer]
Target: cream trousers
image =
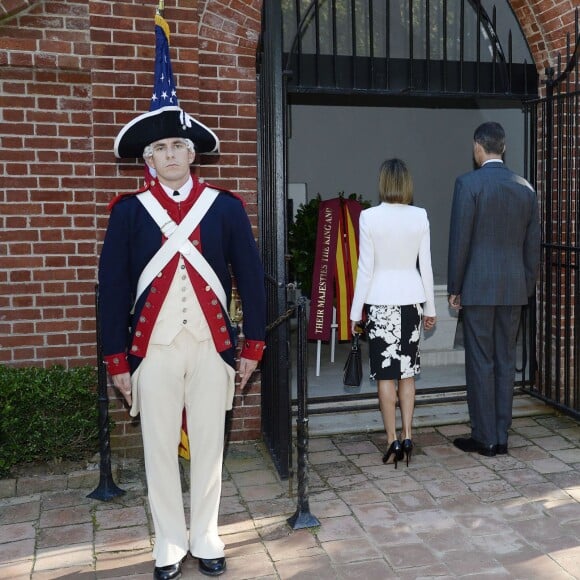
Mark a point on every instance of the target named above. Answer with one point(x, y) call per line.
point(189, 374)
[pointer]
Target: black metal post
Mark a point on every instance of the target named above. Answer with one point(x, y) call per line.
point(302, 518)
point(107, 489)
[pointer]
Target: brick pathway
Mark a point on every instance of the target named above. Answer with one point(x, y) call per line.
point(448, 515)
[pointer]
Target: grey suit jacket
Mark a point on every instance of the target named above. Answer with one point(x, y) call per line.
point(494, 239)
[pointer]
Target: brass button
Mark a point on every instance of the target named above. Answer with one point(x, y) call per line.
point(207, 288)
point(214, 302)
point(138, 333)
point(223, 329)
point(147, 304)
point(153, 290)
point(219, 316)
point(116, 360)
point(134, 348)
point(142, 319)
point(196, 242)
point(227, 342)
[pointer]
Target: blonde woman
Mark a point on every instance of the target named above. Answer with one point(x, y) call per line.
point(396, 297)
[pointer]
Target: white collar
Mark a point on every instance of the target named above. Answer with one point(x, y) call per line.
point(184, 190)
point(491, 161)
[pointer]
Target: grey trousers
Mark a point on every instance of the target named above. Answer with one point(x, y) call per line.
point(490, 352)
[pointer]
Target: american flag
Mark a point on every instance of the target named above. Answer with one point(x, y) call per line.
point(164, 92)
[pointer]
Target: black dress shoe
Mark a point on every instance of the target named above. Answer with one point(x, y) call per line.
point(501, 448)
point(470, 445)
point(168, 572)
point(487, 450)
point(213, 566)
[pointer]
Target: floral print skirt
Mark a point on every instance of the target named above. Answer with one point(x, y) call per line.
point(393, 333)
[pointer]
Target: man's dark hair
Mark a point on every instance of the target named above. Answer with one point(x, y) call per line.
point(491, 137)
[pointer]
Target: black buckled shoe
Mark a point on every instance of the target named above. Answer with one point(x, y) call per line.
point(169, 572)
point(212, 566)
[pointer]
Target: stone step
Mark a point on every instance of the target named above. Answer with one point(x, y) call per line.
point(429, 415)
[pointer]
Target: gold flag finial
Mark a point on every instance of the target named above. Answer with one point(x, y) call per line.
point(161, 7)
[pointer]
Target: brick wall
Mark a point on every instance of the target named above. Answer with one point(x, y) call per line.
point(71, 74)
point(47, 258)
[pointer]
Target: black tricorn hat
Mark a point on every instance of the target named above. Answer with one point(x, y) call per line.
point(163, 123)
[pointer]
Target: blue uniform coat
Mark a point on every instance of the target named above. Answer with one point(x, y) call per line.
point(133, 238)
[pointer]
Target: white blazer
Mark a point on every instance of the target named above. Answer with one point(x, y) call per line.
point(391, 238)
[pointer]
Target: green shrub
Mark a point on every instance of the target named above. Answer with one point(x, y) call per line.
point(302, 244)
point(47, 414)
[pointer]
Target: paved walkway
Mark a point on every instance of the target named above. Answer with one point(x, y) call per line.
point(448, 515)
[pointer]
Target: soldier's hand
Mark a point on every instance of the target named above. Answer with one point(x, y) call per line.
point(123, 383)
point(246, 369)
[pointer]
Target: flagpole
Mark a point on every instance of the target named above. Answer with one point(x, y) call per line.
point(161, 7)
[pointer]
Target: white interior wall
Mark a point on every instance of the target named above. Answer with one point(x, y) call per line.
point(341, 148)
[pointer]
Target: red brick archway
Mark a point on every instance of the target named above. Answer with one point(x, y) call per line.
point(228, 37)
point(10, 7)
point(545, 24)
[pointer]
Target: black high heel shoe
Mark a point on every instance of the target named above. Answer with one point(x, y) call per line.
point(408, 449)
point(396, 450)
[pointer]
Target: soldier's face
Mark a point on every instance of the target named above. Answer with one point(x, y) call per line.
point(171, 160)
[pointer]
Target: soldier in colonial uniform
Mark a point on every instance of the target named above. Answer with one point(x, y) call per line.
point(165, 285)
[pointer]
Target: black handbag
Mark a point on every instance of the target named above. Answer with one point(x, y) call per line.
point(352, 376)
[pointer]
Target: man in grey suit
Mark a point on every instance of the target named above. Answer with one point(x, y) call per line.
point(494, 254)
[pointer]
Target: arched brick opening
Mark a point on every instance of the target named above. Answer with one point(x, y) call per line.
point(228, 37)
point(11, 7)
point(545, 25)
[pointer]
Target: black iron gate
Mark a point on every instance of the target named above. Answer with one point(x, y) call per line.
point(276, 415)
point(404, 49)
point(554, 145)
point(434, 53)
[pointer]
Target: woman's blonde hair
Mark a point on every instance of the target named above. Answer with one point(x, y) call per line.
point(395, 182)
